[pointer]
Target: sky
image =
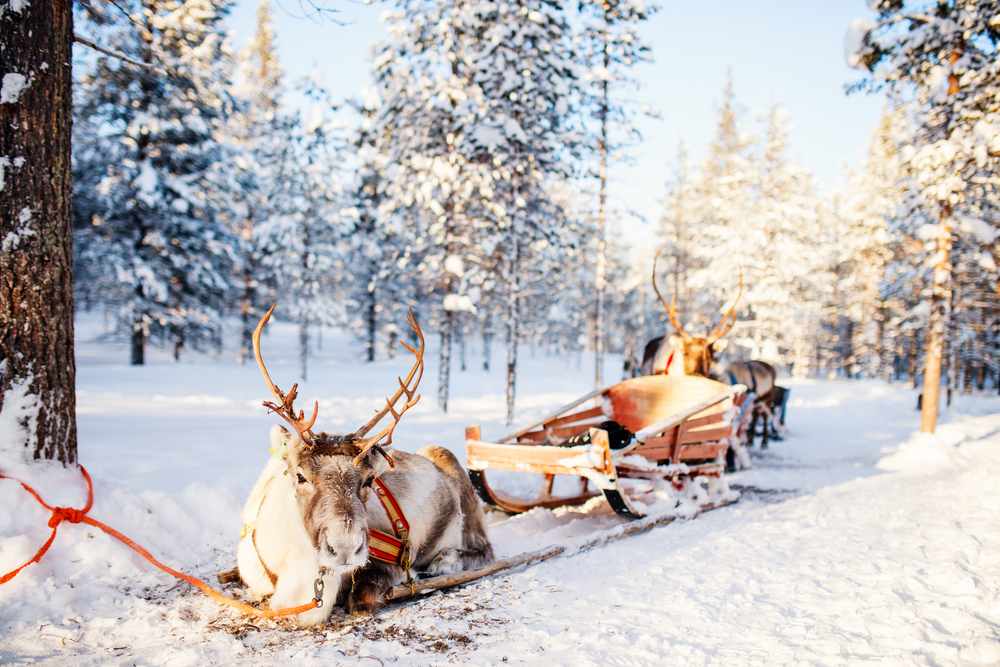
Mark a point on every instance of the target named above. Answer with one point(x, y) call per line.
point(789, 50)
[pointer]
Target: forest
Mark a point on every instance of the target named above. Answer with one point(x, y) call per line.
point(469, 183)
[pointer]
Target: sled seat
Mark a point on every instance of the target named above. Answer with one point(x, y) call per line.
point(682, 426)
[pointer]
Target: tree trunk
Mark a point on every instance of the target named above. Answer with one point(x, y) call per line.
point(601, 271)
point(935, 332)
point(487, 341)
point(138, 342)
point(461, 341)
point(444, 371)
point(371, 323)
point(303, 344)
point(37, 364)
point(246, 313)
point(513, 313)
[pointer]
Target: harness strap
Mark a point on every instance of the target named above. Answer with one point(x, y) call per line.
point(670, 360)
point(385, 547)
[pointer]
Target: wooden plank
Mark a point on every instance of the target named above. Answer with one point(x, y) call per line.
point(657, 453)
point(706, 435)
point(696, 452)
point(713, 418)
point(675, 453)
point(559, 433)
point(539, 458)
point(557, 413)
point(660, 427)
point(577, 416)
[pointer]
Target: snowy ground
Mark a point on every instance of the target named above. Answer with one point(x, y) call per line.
point(855, 540)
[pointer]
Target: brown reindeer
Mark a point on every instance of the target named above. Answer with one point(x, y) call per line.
point(696, 355)
point(314, 528)
point(682, 353)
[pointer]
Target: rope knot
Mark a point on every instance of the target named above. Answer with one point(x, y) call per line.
point(70, 514)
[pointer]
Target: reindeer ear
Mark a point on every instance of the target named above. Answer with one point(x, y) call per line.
point(281, 440)
point(676, 341)
point(377, 461)
point(720, 345)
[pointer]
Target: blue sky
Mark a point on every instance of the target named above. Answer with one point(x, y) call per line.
point(789, 49)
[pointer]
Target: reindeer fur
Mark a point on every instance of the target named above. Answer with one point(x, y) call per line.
point(321, 519)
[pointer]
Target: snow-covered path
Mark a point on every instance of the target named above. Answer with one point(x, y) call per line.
point(855, 540)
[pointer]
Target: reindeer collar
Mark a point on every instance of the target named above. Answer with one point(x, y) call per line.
point(383, 546)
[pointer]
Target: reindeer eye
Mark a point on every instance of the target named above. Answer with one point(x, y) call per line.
point(302, 480)
point(368, 482)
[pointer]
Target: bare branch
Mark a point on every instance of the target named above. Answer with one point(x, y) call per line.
point(119, 56)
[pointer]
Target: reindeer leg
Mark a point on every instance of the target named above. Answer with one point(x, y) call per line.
point(369, 585)
point(752, 431)
point(763, 437)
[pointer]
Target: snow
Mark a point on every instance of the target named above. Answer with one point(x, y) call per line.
point(854, 42)
point(19, 419)
point(855, 539)
point(11, 87)
point(13, 239)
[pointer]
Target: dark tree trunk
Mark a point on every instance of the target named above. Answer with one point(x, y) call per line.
point(372, 323)
point(138, 343)
point(36, 258)
point(246, 314)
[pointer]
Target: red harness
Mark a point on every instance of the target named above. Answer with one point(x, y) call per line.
point(670, 360)
point(383, 546)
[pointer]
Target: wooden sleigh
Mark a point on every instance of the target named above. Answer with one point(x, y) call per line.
point(683, 426)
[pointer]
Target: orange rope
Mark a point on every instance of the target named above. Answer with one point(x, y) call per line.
point(60, 514)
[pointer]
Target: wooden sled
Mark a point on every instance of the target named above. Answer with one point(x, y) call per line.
point(683, 427)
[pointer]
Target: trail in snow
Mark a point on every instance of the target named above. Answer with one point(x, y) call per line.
point(856, 540)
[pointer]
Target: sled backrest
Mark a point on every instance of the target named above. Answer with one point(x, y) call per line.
point(634, 403)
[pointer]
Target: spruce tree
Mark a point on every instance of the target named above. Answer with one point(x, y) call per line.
point(153, 239)
point(944, 56)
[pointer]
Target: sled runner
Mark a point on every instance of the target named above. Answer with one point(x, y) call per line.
point(683, 427)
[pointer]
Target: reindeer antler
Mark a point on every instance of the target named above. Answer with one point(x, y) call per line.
point(368, 444)
point(672, 308)
point(284, 406)
point(719, 331)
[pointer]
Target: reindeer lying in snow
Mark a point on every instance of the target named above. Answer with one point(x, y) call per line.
point(314, 528)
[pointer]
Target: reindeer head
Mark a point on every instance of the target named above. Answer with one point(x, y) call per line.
point(699, 352)
point(331, 475)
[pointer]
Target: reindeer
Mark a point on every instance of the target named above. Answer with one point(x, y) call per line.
point(313, 527)
point(682, 353)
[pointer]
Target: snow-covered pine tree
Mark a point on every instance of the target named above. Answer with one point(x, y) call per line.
point(785, 251)
point(151, 240)
point(519, 58)
point(381, 290)
point(259, 132)
point(944, 55)
point(432, 192)
point(300, 236)
point(610, 45)
point(874, 190)
point(678, 229)
point(722, 195)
